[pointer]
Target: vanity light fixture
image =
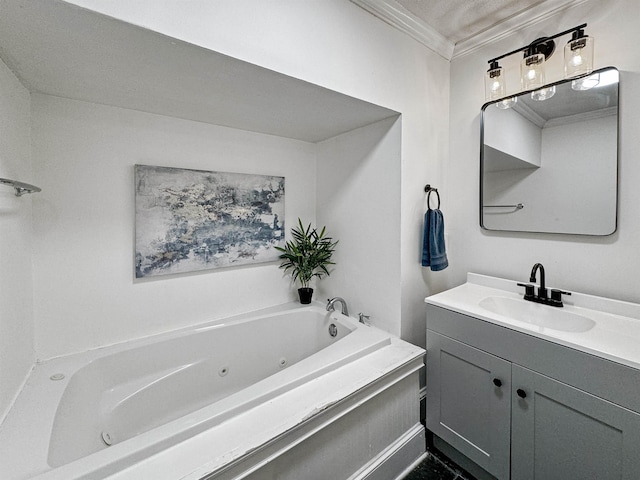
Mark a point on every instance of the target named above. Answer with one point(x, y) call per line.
point(495, 86)
point(598, 79)
point(585, 83)
point(532, 65)
point(507, 103)
point(578, 63)
point(578, 55)
point(494, 82)
point(543, 93)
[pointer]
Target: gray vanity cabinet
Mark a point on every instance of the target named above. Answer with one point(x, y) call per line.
point(468, 402)
point(521, 424)
point(561, 432)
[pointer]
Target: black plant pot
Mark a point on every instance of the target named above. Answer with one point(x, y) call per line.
point(305, 294)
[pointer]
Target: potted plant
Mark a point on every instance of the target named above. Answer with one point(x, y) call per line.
point(306, 256)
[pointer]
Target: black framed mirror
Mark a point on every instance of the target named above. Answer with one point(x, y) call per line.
point(552, 166)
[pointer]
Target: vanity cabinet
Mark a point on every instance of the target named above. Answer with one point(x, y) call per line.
point(561, 432)
point(491, 397)
point(468, 402)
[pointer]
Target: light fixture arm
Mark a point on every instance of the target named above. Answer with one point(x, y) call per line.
point(537, 42)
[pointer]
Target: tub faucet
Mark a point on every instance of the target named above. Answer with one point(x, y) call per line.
point(331, 303)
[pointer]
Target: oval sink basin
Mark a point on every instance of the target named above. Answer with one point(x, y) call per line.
point(537, 314)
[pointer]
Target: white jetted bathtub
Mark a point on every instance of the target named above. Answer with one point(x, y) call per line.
point(282, 393)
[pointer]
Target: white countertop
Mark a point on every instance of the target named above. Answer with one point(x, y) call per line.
point(615, 335)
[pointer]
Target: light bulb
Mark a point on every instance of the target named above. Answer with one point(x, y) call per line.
point(575, 58)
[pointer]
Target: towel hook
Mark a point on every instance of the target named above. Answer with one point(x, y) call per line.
point(428, 189)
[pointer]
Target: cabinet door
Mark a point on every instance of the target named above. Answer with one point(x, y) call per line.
point(464, 406)
point(560, 432)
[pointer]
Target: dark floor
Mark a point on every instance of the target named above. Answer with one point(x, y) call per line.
point(438, 467)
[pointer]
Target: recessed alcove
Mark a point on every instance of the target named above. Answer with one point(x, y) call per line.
point(67, 51)
point(106, 95)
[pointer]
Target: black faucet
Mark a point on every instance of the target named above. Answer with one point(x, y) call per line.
point(542, 291)
point(542, 296)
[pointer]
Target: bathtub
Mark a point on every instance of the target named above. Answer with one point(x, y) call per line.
point(233, 398)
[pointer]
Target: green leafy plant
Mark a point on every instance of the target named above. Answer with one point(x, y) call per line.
point(308, 254)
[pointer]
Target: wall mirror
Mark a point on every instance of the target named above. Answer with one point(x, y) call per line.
point(552, 166)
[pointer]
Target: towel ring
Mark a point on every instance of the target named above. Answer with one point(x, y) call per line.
point(428, 189)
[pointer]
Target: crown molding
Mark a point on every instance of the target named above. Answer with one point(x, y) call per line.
point(582, 117)
point(528, 113)
point(397, 16)
point(513, 24)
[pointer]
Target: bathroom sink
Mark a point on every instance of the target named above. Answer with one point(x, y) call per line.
point(604, 327)
point(537, 314)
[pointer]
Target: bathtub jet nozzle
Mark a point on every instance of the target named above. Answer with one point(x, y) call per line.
point(106, 438)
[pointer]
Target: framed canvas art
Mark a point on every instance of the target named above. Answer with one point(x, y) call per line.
point(190, 220)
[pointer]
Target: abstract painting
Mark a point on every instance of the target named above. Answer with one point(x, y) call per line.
point(189, 220)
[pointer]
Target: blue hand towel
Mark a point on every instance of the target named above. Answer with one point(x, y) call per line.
point(434, 254)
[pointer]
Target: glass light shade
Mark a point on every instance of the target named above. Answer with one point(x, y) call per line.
point(507, 103)
point(585, 83)
point(532, 71)
point(494, 82)
point(578, 55)
point(543, 94)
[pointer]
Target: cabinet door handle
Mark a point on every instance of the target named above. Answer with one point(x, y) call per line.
point(497, 382)
point(521, 393)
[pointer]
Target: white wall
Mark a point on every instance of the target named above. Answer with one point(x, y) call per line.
point(338, 45)
point(359, 197)
point(512, 133)
point(599, 265)
point(16, 311)
point(85, 294)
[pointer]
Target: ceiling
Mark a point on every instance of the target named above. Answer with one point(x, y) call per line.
point(453, 28)
point(459, 20)
point(569, 104)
